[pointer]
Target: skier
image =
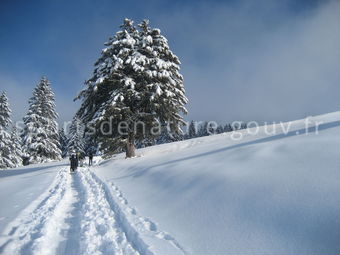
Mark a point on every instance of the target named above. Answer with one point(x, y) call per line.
point(73, 163)
point(90, 158)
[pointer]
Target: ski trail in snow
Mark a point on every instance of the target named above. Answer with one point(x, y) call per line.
point(144, 225)
point(79, 214)
point(34, 230)
point(101, 229)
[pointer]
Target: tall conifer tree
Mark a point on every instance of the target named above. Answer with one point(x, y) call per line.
point(136, 80)
point(5, 138)
point(40, 137)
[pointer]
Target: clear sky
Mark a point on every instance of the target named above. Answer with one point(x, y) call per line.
point(265, 60)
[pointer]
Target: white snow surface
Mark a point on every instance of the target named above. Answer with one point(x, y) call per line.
point(263, 194)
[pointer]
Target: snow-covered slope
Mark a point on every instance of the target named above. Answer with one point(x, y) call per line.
point(21, 186)
point(259, 195)
point(263, 194)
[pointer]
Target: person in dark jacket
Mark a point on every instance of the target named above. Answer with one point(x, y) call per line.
point(73, 163)
point(90, 158)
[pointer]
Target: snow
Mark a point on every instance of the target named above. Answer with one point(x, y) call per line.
point(78, 214)
point(262, 194)
point(259, 195)
point(21, 186)
point(129, 82)
point(100, 80)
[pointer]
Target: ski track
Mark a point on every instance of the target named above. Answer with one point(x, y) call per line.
point(144, 225)
point(80, 214)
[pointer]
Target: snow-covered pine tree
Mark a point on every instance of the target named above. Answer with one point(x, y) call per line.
point(91, 145)
point(76, 141)
point(16, 148)
point(110, 89)
point(203, 130)
point(211, 129)
point(136, 80)
point(40, 136)
point(5, 111)
point(168, 137)
point(192, 131)
point(228, 128)
point(63, 141)
point(145, 143)
point(219, 129)
point(164, 95)
point(5, 138)
point(244, 125)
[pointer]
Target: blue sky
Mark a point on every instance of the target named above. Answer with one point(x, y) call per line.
point(245, 60)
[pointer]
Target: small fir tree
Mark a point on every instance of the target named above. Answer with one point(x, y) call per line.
point(192, 131)
point(63, 141)
point(16, 148)
point(76, 143)
point(5, 138)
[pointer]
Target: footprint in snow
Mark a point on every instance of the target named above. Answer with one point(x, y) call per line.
point(149, 225)
point(131, 210)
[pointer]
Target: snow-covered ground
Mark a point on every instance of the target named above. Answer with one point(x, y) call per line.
point(264, 194)
point(19, 187)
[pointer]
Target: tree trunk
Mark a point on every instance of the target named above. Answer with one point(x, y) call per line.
point(130, 147)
